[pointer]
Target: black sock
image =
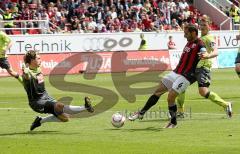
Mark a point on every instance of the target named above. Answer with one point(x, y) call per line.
point(151, 101)
point(173, 112)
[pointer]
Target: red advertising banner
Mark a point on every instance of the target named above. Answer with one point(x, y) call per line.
point(72, 63)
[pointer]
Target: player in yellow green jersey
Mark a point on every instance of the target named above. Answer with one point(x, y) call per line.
point(5, 44)
point(33, 81)
point(237, 61)
point(202, 73)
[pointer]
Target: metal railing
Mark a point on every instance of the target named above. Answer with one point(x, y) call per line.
point(225, 22)
point(217, 4)
point(24, 25)
point(233, 25)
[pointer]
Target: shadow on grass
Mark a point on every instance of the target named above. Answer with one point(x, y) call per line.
point(38, 133)
point(30, 133)
point(152, 129)
point(209, 118)
point(203, 99)
point(154, 120)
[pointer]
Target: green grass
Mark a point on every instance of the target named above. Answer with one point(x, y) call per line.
point(206, 131)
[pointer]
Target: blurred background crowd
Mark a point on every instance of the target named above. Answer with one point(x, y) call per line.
point(99, 16)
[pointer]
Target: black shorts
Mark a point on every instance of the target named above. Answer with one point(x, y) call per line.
point(237, 60)
point(203, 77)
point(4, 63)
point(44, 105)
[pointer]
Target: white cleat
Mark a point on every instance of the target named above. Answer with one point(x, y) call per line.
point(135, 116)
point(229, 111)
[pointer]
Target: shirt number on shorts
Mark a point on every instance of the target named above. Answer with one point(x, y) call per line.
point(179, 85)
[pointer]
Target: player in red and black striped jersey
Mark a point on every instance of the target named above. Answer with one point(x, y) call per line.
point(190, 58)
point(178, 80)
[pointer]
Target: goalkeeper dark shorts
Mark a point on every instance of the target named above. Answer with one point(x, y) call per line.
point(203, 76)
point(45, 104)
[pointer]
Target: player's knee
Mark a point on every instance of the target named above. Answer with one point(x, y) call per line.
point(157, 94)
point(58, 107)
point(203, 91)
point(63, 117)
point(161, 90)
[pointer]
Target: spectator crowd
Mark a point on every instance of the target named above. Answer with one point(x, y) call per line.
point(97, 16)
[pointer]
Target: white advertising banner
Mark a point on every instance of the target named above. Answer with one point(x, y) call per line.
point(108, 42)
point(175, 56)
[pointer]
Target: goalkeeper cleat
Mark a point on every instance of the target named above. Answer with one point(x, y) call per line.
point(88, 105)
point(229, 110)
point(36, 123)
point(135, 116)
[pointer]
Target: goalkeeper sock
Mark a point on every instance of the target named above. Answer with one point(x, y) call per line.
point(180, 102)
point(216, 99)
point(151, 101)
point(50, 118)
point(69, 109)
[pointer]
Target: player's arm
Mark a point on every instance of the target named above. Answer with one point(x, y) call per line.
point(20, 79)
point(202, 50)
point(211, 51)
point(7, 42)
point(26, 72)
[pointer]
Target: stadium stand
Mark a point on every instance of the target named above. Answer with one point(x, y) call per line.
point(99, 16)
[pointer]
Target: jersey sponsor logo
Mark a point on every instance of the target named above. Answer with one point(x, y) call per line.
point(186, 49)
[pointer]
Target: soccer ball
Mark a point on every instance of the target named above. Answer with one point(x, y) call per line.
point(118, 120)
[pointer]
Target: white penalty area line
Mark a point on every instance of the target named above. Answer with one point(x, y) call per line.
point(109, 111)
point(195, 113)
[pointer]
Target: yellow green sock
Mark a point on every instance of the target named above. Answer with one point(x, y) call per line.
point(180, 102)
point(217, 99)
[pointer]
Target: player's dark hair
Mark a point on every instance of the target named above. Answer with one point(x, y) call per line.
point(30, 55)
point(192, 28)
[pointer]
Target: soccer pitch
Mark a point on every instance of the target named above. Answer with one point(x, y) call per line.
point(205, 129)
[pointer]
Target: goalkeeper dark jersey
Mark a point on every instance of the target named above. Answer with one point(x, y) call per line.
point(34, 84)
